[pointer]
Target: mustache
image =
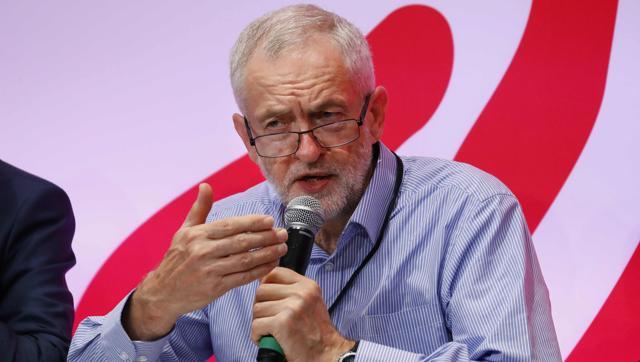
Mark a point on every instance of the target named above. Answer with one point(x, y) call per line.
point(298, 171)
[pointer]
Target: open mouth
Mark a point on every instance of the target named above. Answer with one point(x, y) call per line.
point(314, 178)
point(313, 183)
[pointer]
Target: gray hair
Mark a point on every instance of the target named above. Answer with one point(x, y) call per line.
point(281, 29)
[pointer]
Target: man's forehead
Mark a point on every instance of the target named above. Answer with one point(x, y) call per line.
point(316, 77)
point(299, 47)
point(316, 50)
point(322, 102)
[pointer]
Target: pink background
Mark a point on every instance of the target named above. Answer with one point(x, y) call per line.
point(127, 105)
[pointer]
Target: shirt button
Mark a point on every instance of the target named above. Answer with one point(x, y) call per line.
point(124, 356)
point(329, 266)
point(141, 359)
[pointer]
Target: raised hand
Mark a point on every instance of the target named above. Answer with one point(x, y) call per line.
point(203, 262)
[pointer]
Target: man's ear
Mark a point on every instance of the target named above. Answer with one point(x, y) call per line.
point(241, 130)
point(377, 109)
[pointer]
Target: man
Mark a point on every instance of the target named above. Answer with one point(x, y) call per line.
point(36, 229)
point(438, 253)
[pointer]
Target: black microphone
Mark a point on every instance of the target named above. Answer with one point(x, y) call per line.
point(303, 218)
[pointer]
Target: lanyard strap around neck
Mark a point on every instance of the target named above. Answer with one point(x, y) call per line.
point(376, 246)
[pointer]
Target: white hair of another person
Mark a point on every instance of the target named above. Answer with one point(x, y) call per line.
point(282, 29)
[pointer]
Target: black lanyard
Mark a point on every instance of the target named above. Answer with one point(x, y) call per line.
point(376, 246)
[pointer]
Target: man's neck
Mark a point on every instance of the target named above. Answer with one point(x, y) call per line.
point(329, 235)
point(327, 238)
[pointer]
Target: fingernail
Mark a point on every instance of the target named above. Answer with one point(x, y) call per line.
point(282, 248)
point(282, 234)
point(268, 220)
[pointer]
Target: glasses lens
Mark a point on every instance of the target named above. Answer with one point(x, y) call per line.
point(337, 133)
point(276, 145)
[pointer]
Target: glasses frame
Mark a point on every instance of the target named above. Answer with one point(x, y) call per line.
point(359, 121)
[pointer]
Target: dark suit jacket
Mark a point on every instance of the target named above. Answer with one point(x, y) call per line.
point(36, 228)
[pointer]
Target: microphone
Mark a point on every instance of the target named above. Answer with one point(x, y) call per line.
point(303, 218)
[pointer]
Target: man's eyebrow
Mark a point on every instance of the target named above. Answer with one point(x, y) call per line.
point(329, 103)
point(269, 113)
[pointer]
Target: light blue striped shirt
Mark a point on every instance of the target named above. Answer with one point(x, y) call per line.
point(456, 278)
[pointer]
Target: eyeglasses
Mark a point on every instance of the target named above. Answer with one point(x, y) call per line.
point(334, 134)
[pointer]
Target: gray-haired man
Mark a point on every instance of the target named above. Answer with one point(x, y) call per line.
point(439, 257)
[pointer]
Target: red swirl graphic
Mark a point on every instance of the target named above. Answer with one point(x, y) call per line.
point(533, 130)
point(614, 333)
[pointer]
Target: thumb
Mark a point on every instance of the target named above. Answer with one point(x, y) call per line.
point(200, 209)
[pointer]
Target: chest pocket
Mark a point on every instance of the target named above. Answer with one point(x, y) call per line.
point(420, 329)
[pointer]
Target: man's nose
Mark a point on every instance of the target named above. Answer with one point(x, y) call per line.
point(309, 150)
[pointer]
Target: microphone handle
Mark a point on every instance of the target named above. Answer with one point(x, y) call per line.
point(299, 246)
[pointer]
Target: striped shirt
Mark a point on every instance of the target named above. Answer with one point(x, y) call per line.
point(455, 278)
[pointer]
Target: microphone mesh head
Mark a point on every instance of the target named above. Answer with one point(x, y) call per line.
point(304, 211)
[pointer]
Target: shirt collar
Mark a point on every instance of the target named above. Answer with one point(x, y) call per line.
point(373, 205)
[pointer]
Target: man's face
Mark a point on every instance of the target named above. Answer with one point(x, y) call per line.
point(297, 91)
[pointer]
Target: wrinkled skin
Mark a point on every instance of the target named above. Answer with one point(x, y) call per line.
point(301, 90)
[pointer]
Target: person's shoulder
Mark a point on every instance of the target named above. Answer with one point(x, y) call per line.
point(31, 203)
point(259, 199)
point(19, 186)
point(429, 174)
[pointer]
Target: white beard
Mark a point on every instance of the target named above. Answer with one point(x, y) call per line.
point(345, 192)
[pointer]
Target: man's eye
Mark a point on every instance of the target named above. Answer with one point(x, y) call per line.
point(274, 124)
point(329, 116)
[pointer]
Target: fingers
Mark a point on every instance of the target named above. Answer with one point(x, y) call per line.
point(273, 292)
point(201, 207)
point(249, 260)
point(277, 312)
point(283, 283)
point(236, 279)
point(240, 224)
point(266, 309)
point(263, 327)
point(282, 276)
point(247, 241)
point(236, 253)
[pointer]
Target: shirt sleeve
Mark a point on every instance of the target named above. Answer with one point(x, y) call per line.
point(104, 338)
point(494, 297)
point(374, 352)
